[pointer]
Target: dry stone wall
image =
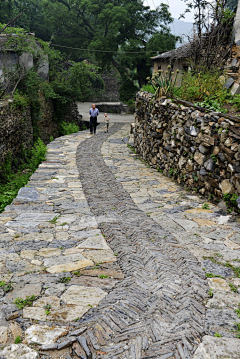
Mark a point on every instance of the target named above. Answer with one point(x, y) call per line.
point(200, 150)
point(16, 130)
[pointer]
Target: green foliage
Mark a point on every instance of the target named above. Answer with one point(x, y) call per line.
point(217, 335)
point(235, 101)
point(211, 275)
point(205, 206)
point(77, 273)
point(11, 182)
point(102, 276)
point(238, 310)
point(64, 279)
point(231, 202)
point(20, 101)
point(54, 220)
point(214, 158)
point(233, 288)
point(210, 293)
point(148, 88)
point(68, 128)
point(164, 83)
point(202, 86)
point(47, 308)
point(18, 340)
point(21, 303)
point(212, 105)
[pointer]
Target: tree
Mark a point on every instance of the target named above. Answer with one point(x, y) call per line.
point(214, 22)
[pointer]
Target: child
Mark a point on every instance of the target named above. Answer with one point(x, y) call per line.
point(106, 120)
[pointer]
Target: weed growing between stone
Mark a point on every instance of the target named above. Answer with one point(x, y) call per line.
point(21, 303)
point(18, 340)
point(10, 181)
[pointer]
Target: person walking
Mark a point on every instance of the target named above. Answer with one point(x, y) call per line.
point(93, 112)
point(106, 120)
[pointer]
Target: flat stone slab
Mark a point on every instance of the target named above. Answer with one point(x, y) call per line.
point(44, 334)
point(94, 242)
point(19, 351)
point(66, 263)
point(34, 313)
point(53, 301)
point(49, 252)
point(68, 313)
point(100, 256)
point(222, 321)
point(83, 296)
point(27, 290)
point(27, 194)
point(218, 348)
point(48, 237)
point(221, 300)
point(217, 269)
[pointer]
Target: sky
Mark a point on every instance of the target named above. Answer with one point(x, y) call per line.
point(176, 7)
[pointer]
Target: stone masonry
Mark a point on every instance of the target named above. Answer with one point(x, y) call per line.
point(122, 261)
point(199, 150)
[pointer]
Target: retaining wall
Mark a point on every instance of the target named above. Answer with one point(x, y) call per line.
point(200, 150)
point(16, 130)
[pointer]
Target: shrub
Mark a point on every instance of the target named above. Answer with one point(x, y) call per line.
point(148, 88)
point(202, 86)
point(68, 128)
point(164, 83)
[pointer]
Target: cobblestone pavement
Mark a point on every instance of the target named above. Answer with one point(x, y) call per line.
point(116, 261)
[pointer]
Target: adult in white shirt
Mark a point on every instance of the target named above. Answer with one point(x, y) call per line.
point(93, 112)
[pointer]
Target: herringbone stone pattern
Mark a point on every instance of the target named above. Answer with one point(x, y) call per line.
point(158, 309)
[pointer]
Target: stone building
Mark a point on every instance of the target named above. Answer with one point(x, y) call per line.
point(10, 59)
point(177, 58)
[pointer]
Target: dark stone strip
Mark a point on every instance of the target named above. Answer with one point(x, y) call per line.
point(158, 309)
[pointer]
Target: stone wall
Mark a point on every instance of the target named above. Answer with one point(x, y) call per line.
point(200, 150)
point(16, 130)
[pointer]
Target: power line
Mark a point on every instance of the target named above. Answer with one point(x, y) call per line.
point(123, 52)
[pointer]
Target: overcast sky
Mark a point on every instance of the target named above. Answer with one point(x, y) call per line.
point(177, 7)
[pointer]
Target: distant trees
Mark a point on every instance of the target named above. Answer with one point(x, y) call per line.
point(106, 29)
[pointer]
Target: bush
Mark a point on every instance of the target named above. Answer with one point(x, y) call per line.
point(148, 88)
point(202, 86)
point(68, 128)
point(20, 101)
point(164, 83)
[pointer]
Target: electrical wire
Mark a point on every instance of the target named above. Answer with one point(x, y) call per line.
point(112, 51)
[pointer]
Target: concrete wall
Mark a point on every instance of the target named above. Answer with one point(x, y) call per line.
point(200, 150)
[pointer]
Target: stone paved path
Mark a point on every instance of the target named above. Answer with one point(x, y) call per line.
point(116, 261)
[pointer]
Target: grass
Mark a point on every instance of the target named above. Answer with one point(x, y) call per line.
point(236, 270)
point(210, 293)
point(233, 288)
point(77, 273)
point(211, 275)
point(54, 220)
point(47, 308)
point(205, 206)
point(102, 276)
point(18, 340)
point(217, 335)
point(21, 303)
point(64, 279)
point(7, 287)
